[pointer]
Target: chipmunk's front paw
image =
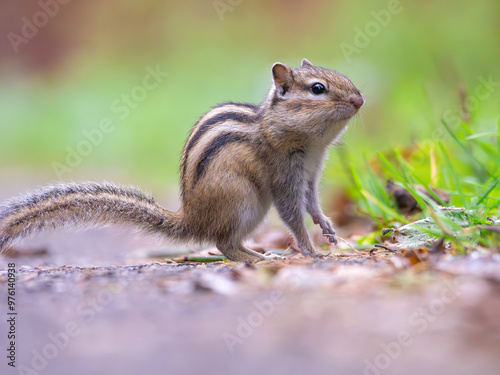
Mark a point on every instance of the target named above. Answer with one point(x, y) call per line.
point(328, 230)
point(331, 237)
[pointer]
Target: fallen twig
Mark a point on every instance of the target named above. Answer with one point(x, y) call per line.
point(348, 244)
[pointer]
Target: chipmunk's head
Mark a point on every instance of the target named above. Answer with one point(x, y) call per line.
point(318, 93)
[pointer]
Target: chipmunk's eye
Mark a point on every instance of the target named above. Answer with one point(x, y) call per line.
point(318, 88)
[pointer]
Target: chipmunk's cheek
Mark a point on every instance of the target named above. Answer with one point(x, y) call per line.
point(350, 111)
point(342, 112)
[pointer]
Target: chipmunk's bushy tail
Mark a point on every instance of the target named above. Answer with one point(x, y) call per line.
point(85, 205)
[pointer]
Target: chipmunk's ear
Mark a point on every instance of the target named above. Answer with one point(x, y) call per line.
point(282, 77)
point(306, 64)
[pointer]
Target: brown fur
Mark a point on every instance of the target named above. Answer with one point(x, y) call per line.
point(238, 160)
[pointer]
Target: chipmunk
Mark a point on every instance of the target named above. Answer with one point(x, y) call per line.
point(238, 160)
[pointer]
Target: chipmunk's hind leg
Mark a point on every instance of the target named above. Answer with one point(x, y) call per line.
point(238, 252)
point(238, 227)
point(250, 214)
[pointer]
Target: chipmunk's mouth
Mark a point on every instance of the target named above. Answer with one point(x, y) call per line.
point(343, 111)
point(348, 108)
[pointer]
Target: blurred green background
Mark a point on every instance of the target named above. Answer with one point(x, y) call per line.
point(411, 59)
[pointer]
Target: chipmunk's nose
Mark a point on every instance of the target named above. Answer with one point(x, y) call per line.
point(357, 101)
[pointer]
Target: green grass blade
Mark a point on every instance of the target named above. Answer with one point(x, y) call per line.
point(389, 166)
point(467, 151)
point(380, 190)
point(383, 207)
point(409, 181)
point(454, 176)
point(429, 190)
point(359, 188)
point(490, 189)
point(415, 178)
point(480, 135)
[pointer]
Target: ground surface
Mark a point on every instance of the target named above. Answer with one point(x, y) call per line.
point(348, 314)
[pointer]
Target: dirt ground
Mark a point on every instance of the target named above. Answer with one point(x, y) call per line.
point(84, 309)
